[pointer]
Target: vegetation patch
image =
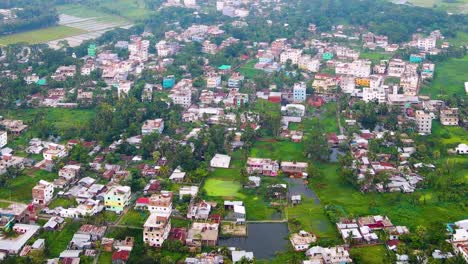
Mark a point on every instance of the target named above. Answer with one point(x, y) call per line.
point(41, 35)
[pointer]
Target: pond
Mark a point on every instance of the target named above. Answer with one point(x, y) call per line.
point(263, 239)
point(297, 186)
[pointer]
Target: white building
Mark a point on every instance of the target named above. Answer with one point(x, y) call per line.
point(462, 149)
point(3, 138)
point(156, 230)
point(357, 68)
point(300, 92)
point(423, 122)
point(329, 255)
point(302, 240)
point(152, 126)
point(306, 62)
point(427, 44)
point(374, 94)
point(220, 161)
point(291, 54)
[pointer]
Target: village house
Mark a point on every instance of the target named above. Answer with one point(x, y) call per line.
point(3, 138)
point(203, 234)
point(177, 176)
point(13, 245)
point(15, 127)
point(8, 160)
point(301, 241)
point(161, 204)
point(188, 190)
point(63, 72)
point(152, 126)
point(295, 168)
point(42, 193)
point(54, 151)
point(330, 255)
point(423, 122)
point(116, 198)
point(198, 211)
point(202, 258)
point(261, 166)
point(220, 161)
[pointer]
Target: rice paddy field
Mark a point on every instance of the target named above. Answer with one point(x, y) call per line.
point(41, 35)
point(449, 78)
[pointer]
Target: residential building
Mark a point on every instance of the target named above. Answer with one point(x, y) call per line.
point(54, 151)
point(116, 198)
point(15, 127)
point(3, 138)
point(261, 166)
point(307, 62)
point(161, 204)
point(426, 44)
point(152, 126)
point(302, 240)
point(292, 167)
point(203, 234)
point(331, 255)
point(448, 117)
point(220, 161)
point(42, 193)
point(396, 68)
point(156, 230)
point(235, 80)
point(197, 211)
point(239, 255)
point(300, 92)
point(291, 54)
point(213, 81)
point(14, 244)
point(357, 68)
point(423, 122)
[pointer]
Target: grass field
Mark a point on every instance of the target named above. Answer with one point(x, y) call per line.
point(134, 218)
point(375, 57)
point(131, 9)
point(61, 118)
point(87, 12)
point(449, 78)
point(370, 255)
point(248, 69)
point(41, 35)
point(278, 150)
point(62, 202)
point(19, 189)
point(459, 6)
point(57, 241)
point(222, 188)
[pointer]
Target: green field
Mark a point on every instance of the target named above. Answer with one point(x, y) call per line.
point(131, 9)
point(134, 218)
point(370, 255)
point(222, 188)
point(278, 150)
point(41, 35)
point(57, 241)
point(62, 202)
point(375, 57)
point(61, 118)
point(449, 78)
point(248, 69)
point(87, 12)
point(459, 6)
point(19, 189)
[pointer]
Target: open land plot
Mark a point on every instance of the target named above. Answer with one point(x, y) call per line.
point(370, 255)
point(134, 218)
point(41, 35)
point(222, 188)
point(248, 69)
point(459, 6)
point(57, 241)
point(278, 150)
point(332, 189)
point(449, 78)
point(19, 188)
point(58, 116)
point(130, 9)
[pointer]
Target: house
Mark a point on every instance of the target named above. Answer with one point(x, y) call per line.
point(125, 244)
point(152, 126)
point(261, 166)
point(177, 176)
point(299, 92)
point(3, 138)
point(292, 167)
point(203, 234)
point(449, 117)
point(156, 230)
point(197, 211)
point(330, 255)
point(69, 171)
point(220, 161)
point(237, 256)
point(54, 223)
point(188, 190)
point(54, 151)
point(116, 198)
point(377, 222)
point(120, 257)
point(14, 244)
point(205, 258)
point(462, 149)
point(42, 193)
point(15, 127)
point(95, 232)
point(302, 240)
point(254, 182)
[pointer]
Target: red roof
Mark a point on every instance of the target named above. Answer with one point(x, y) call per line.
point(393, 242)
point(143, 200)
point(216, 218)
point(122, 255)
point(178, 234)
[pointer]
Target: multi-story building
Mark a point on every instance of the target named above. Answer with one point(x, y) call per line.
point(54, 151)
point(396, 68)
point(183, 98)
point(300, 92)
point(3, 138)
point(213, 81)
point(427, 44)
point(449, 117)
point(156, 230)
point(116, 198)
point(235, 80)
point(331, 255)
point(265, 167)
point(291, 54)
point(357, 68)
point(410, 83)
point(152, 126)
point(42, 193)
point(374, 94)
point(423, 122)
point(306, 62)
point(138, 49)
point(161, 204)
